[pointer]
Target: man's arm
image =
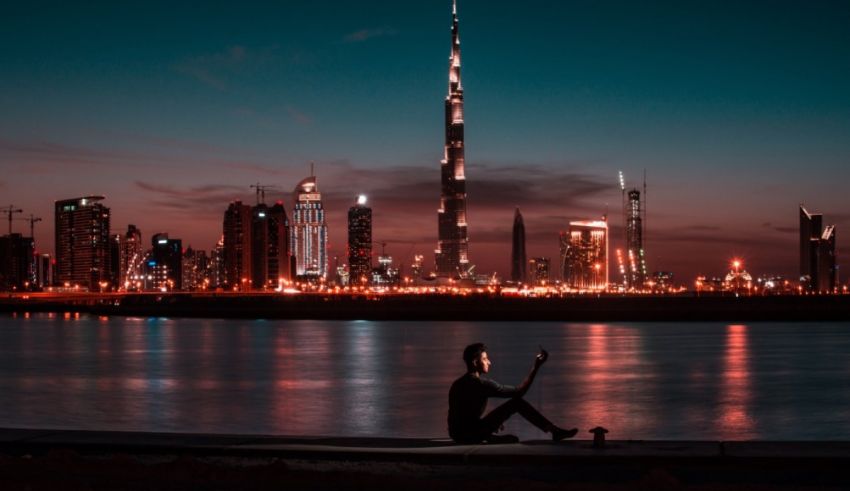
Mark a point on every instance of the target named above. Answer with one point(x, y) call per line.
point(498, 390)
point(539, 360)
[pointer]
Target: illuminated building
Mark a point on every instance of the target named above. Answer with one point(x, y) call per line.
point(385, 274)
point(195, 269)
point(16, 259)
point(636, 257)
point(453, 246)
point(518, 250)
point(82, 242)
point(309, 233)
point(217, 270)
point(116, 244)
point(818, 269)
point(270, 263)
point(44, 270)
point(584, 255)
point(360, 242)
point(131, 258)
point(166, 262)
point(237, 246)
point(632, 267)
point(538, 270)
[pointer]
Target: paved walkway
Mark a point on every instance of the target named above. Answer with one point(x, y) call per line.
point(771, 463)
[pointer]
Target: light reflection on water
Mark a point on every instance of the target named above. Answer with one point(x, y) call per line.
point(707, 381)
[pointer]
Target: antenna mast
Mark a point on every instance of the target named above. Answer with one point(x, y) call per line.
point(261, 191)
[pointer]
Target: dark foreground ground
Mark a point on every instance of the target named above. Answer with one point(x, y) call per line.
point(84, 460)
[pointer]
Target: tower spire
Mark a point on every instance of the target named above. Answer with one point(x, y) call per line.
point(452, 250)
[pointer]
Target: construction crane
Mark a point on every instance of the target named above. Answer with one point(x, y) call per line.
point(261, 191)
point(32, 221)
point(10, 210)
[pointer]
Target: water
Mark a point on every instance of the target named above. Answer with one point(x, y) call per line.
point(679, 381)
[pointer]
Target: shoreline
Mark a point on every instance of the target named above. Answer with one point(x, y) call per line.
point(475, 307)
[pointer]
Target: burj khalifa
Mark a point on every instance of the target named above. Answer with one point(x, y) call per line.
point(452, 254)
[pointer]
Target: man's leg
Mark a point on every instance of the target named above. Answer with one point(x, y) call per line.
point(496, 417)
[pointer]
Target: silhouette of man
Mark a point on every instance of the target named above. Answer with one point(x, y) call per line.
point(468, 400)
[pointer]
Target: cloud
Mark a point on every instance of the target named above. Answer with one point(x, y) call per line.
point(212, 197)
point(784, 230)
point(366, 34)
point(46, 154)
point(214, 69)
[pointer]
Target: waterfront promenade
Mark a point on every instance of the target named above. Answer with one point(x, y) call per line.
point(44, 459)
point(473, 306)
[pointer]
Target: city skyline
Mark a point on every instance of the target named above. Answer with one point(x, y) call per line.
point(729, 157)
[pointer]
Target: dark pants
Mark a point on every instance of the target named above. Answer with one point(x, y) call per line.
point(491, 423)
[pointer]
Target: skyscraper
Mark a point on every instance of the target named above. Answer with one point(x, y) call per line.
point(359, 242)
point(453, 246)
point(584, 255)
point(16, 258)
point(237, 246)
point(636, 268)
point(518, 258)
point(818, 270)
point(166, 262)
point(82, 242)
point(131, 260)
point(538, 270)
point(269, 246)
point(309, 233)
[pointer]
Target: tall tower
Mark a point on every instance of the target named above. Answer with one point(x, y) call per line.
point(82, 242)
point(818, 269)
point(309, 232)
point(518, 258)
point(453, 245)
point(360, 242)
point(584, 255)
point(237, 246)
point(636, 275)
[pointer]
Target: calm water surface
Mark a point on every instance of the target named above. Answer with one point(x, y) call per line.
point(679, 381)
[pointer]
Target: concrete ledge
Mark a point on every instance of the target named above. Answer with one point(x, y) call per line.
point(31, 454)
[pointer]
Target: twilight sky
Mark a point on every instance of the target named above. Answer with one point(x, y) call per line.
point(737, 110)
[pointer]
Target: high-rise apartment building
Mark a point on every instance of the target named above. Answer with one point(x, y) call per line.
point(195, 270)
point(131, 260)
point(309, 232)
point(166, 263)
point(584, 255)
point(452, 254)
point(636, 273)
point(518, 257)
point(82, 242)
point(538, 270)
point(360, 242)
point(270, 257)
point(44, 270)
point(218, 272)
point(237, 246)
point(818, 266)
point(16, 261)
point(116, 245)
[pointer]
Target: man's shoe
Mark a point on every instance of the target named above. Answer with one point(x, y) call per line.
point(559, 434)
point(502, 439)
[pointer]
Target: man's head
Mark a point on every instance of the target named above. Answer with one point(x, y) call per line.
point(475, 357)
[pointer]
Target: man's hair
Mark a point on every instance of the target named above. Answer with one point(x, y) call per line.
point(472, 352)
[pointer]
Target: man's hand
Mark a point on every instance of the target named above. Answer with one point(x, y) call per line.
point(541, 358)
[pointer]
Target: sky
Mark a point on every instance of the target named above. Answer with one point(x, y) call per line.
point(737, 111)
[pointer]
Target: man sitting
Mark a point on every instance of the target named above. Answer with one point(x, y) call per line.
point(468, 400)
